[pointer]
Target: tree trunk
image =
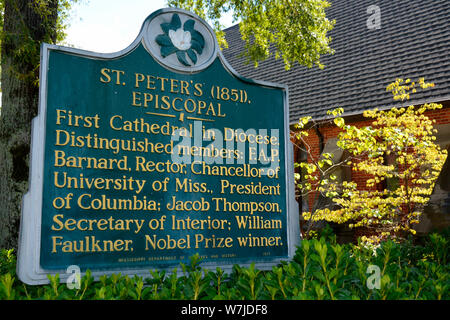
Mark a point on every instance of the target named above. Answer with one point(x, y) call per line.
point(25, 27)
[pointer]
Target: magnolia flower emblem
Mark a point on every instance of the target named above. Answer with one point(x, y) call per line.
point(183, 41)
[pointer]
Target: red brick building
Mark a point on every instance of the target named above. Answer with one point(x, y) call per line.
point(412, 40)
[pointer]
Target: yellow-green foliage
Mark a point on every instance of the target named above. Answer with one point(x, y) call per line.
point(295, 30)
point(398, 147)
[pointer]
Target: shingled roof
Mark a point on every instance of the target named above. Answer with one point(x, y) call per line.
point(413, 42)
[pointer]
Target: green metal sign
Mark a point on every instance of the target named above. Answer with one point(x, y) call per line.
point(145, 157)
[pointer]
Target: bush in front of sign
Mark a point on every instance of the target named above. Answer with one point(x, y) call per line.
point(321, 269)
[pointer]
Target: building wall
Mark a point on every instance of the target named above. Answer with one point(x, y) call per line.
point(437, 212)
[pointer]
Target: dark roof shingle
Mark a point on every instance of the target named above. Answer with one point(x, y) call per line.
point(413, 42)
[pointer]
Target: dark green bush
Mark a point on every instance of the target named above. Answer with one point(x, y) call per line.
point(321, 269)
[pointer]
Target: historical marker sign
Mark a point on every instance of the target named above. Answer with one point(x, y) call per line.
point(145, 157)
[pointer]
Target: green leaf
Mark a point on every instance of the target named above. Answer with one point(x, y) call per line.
point(167, 51)
point(166, 27)
point(197, 36)
point(196, 46)
point(181, 55)
point(163, 40)
point(339, 122)
point(175, 23)
point(189, 25)
point(192, 55)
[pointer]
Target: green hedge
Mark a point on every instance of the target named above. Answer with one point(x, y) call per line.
point(321, 269)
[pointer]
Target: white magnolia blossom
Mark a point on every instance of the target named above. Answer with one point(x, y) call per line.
point(181, 39)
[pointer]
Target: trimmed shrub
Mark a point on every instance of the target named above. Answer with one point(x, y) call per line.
point(321, 269)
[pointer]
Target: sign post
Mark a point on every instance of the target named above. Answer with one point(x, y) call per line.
point(147, 156)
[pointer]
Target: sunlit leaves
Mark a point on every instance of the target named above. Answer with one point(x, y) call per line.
point(398, 149)
point(295, 31)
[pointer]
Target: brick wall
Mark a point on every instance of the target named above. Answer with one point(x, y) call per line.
point(441, 116)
